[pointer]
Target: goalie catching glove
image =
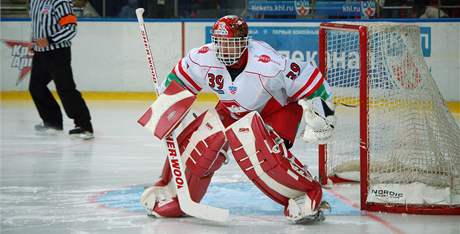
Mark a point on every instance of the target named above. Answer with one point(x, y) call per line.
point(319, 119)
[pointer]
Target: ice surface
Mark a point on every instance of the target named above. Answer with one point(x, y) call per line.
point(55, 184)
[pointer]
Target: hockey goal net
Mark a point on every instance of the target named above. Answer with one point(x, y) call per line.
point(394, 133)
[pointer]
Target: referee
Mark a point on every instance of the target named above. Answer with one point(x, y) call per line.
point(53, 26)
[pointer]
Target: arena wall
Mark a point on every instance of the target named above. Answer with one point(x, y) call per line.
point(108, 55)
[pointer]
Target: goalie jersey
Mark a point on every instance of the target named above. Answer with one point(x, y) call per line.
point(268, 82)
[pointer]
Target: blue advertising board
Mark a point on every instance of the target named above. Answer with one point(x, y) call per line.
point(425, 41)
point(301, 43)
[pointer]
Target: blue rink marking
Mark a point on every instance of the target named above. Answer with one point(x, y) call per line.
point(240, 198)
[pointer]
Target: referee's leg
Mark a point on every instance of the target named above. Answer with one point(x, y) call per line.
point(47, 107)
point(74, 105)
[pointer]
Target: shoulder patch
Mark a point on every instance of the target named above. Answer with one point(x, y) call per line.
point(264, 58)
point(203, 50)
point(203, 56)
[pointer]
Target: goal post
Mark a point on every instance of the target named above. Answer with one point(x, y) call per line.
point(394, 134)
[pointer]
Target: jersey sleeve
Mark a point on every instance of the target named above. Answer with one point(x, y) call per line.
point(186, 74)
point(67, 22)
point(304, 80)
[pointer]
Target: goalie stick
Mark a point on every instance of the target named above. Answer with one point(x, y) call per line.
point(171, 149)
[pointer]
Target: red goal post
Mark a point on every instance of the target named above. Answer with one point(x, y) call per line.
point(395, 143)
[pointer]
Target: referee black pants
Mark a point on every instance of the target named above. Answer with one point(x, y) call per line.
point(55, 65)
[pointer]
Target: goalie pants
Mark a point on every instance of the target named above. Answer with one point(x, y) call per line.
point(285, 121)
point(55, 65)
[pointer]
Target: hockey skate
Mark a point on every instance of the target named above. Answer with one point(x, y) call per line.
point(318, 217)
point(299, 211)
point(46, 129)
point(82, 133)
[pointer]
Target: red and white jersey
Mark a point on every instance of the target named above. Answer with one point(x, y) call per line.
point(268, 82)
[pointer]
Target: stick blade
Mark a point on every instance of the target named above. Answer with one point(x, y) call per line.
point(202, 211)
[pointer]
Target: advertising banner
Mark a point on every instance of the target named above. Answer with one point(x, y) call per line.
point(21, 57)
point(364, 9)
point(257, 7)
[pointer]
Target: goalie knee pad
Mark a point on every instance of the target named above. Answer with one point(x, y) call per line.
point(263, 157)
point(201, 146)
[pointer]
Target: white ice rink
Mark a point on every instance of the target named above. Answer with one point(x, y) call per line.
point(54, 184)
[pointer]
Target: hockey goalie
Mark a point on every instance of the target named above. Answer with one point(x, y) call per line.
point(263, 98)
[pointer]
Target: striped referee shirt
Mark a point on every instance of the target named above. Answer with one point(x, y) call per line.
point(54, 20)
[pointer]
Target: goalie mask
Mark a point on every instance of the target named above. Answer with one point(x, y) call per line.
point(230, 36)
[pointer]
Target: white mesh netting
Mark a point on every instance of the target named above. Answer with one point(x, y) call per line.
point(413, 138)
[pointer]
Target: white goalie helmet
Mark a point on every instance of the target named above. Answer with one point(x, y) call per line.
point(230, 36)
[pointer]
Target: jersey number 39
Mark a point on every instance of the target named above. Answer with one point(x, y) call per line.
point(215, 81)
point(295, 71)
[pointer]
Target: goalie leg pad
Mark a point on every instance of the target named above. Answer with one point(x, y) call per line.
point(200, 145)
point(263, 157)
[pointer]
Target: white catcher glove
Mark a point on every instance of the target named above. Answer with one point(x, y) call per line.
point(319, 120)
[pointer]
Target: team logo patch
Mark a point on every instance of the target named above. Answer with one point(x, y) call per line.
point(209, 126)
point(203, 50)
point(368, 9)
point(232, 89)
point(221, 30)
point(46, 9)
point(264, 58)
point(171, 115)
point(302, 7)
point(243, 130)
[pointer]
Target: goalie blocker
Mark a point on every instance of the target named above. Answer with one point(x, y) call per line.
point(170, 108)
